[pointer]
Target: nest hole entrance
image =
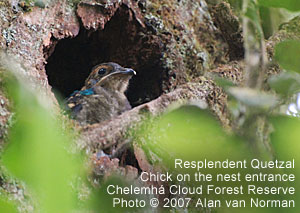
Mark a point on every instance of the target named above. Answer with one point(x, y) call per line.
point(122, 41)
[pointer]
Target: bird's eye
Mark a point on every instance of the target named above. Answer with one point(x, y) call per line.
point(102, 71)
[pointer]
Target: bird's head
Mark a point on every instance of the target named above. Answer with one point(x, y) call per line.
point(110, 76)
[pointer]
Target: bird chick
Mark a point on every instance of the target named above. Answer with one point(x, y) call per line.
point(102, 96)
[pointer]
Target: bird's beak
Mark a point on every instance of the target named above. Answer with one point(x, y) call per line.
point(124, 72)
point(128, 71)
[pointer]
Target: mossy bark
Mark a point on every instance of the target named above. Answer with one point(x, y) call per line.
point(168, 43)
point(171, 44)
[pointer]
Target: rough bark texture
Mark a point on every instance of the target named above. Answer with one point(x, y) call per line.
point(171, 44)
point(108, 134)
point(167, 42)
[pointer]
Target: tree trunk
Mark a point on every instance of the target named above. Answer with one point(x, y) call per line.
point(173, 45)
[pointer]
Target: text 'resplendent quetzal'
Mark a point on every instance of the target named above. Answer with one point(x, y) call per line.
point(103, 96)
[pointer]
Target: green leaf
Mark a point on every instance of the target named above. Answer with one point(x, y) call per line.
point(222, 82)
point(236, 4)
point(252, 97)
point(37, 152)
point(253, 14)
point(292, 5)
point(287, 54)
point(285, 143)
point(286, 83)
point(285, 138)
point(101, 201)
point(7, 207)
point(191, 133)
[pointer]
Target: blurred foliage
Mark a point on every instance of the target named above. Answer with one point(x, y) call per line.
point(287, 54)
point(236, 4)
point(253, 98)
point(271, 17)
point(101, 201)
point(192, 134)
point(293, 5)
point(222, 82)
point(285, 138)
point(285, 83)
point(6, 206)
point(252, 12)
point(37, 151)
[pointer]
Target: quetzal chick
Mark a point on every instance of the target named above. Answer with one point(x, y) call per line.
point(102, 96)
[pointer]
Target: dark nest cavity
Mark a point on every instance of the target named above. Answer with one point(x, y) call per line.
point(122, 41)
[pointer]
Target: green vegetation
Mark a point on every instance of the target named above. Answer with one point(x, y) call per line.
point(293, 5)
point(37, 152)
point(192, 134)
point(37, 148)
point(260, 129)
